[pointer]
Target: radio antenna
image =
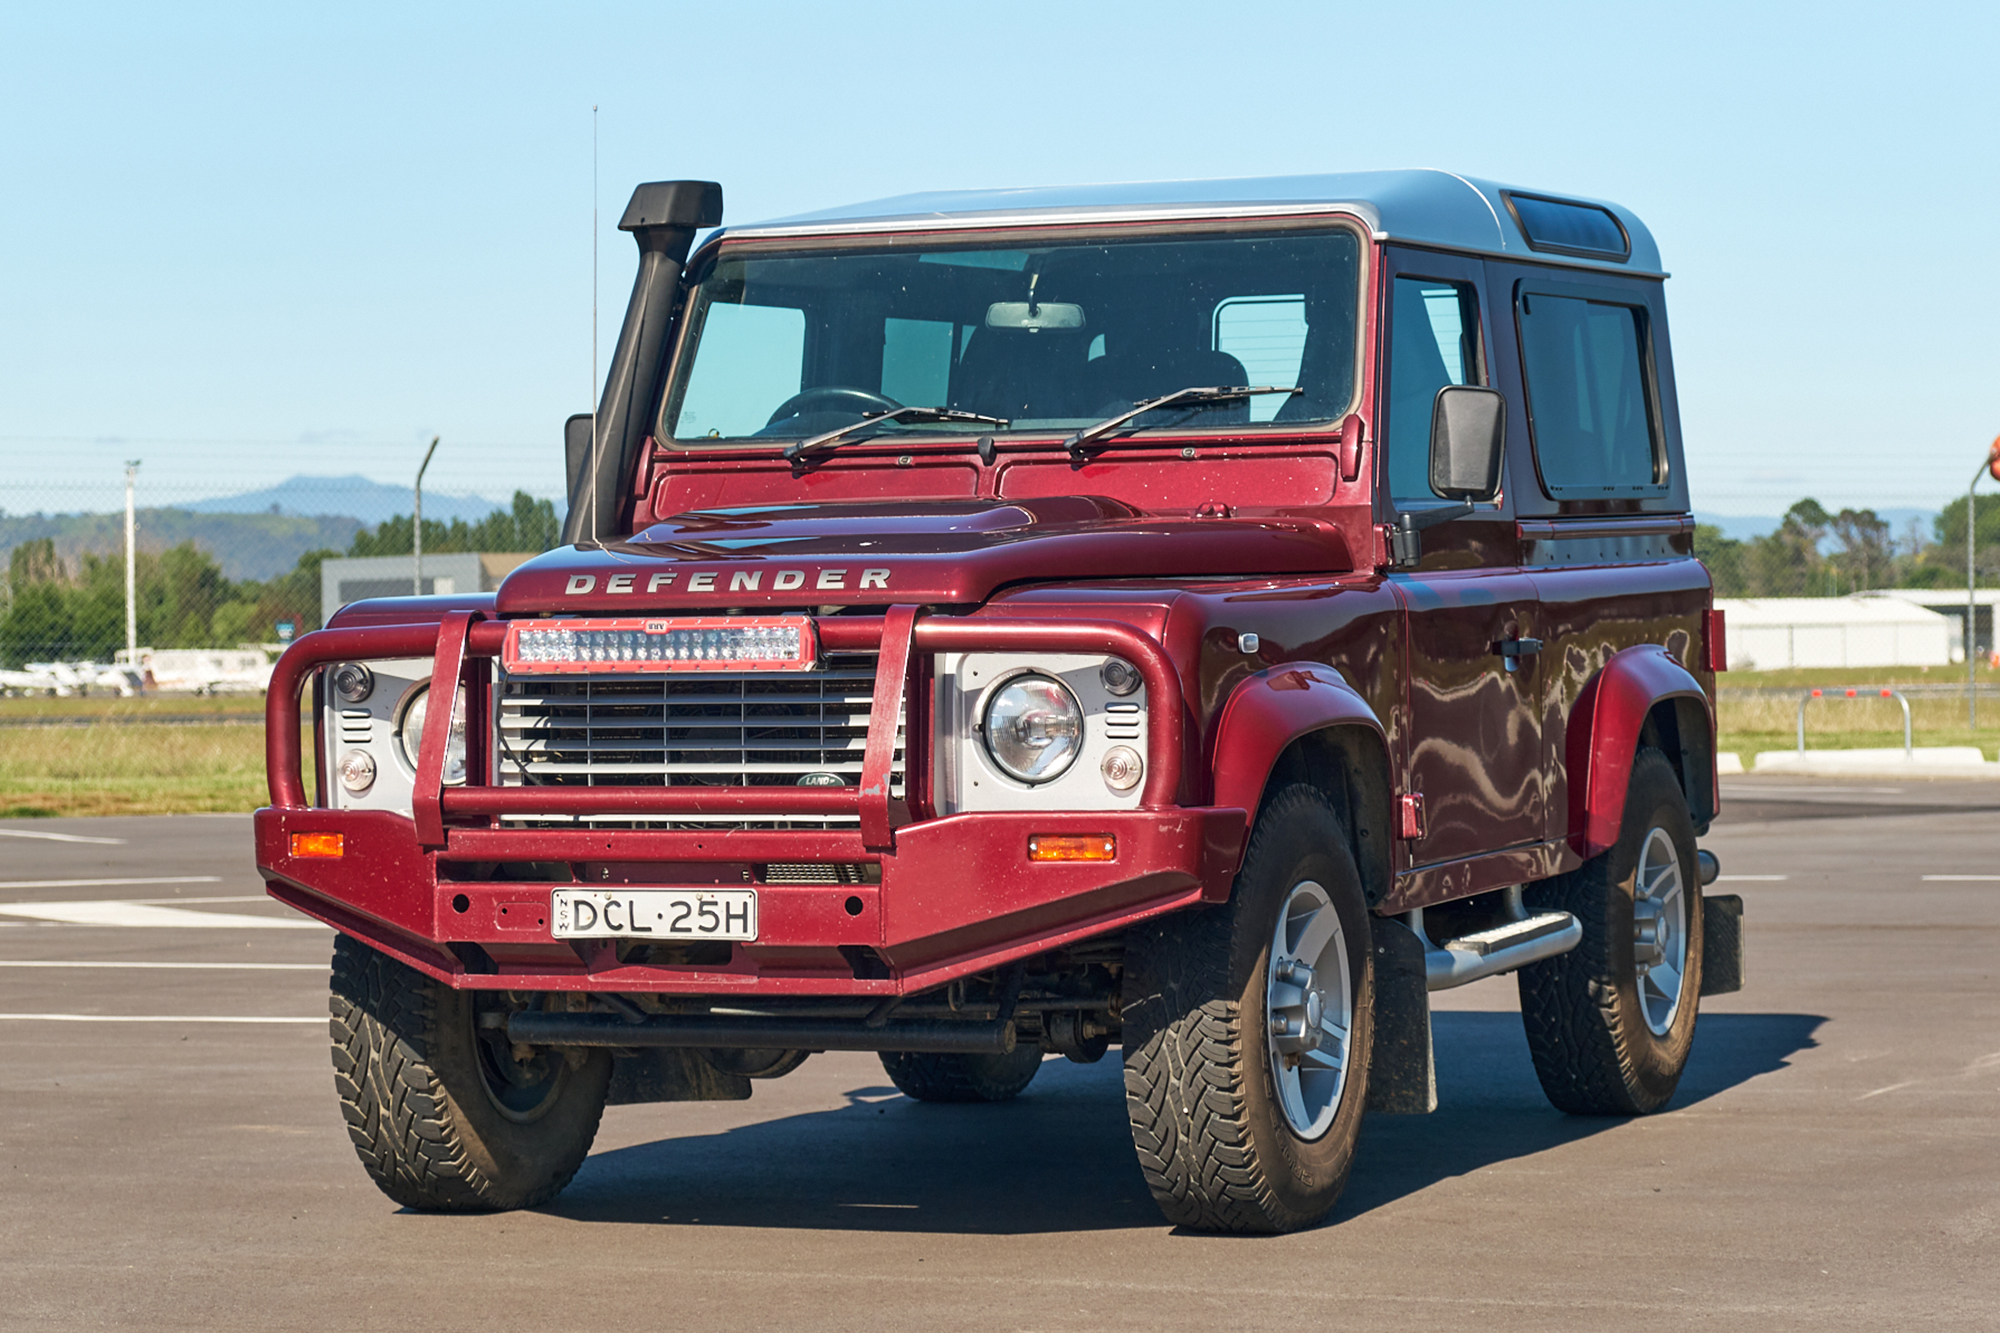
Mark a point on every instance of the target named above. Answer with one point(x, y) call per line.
point(596, 415)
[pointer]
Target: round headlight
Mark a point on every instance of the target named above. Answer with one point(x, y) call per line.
point(357, 771)
point(410, 735)
point(1033, 728)
point(352, 682)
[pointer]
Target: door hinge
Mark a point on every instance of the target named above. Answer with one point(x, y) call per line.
point(1410, 815)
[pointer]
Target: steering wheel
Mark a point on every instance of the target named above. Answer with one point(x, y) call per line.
point(833, 398)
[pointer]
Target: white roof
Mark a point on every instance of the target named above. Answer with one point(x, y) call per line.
point(1425, 206)
point(1938, 596)
point(1864, 609)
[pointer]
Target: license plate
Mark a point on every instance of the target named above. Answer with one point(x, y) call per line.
point(682, 914)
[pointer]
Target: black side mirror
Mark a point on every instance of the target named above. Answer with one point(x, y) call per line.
point(1468, 439)
point(1468, 436)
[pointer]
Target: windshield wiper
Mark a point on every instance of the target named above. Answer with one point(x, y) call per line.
point(920, 415)
point(1079, 443)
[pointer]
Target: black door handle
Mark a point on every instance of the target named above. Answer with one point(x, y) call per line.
point(1513, 650)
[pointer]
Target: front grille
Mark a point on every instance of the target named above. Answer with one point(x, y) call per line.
point(706, 729)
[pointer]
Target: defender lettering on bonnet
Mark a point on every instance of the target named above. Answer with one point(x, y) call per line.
point(740, 580)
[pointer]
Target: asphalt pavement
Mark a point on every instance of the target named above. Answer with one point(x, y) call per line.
point(173, 1158)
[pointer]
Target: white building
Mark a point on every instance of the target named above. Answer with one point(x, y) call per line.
point(1950, 603)
point(351, 579)
point(1868, 630)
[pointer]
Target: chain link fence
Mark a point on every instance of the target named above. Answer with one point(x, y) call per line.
point(1826, 610)
point(230, 561)
point(241, 546)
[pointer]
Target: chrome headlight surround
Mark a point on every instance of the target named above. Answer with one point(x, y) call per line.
point(1032, 727)
point(369, 726)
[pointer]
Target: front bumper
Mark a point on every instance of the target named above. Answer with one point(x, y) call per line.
point(942, 898)
point(957, 896)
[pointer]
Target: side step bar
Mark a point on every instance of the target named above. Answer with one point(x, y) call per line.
point(1528, 938)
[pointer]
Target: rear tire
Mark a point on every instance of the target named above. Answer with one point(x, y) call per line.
point(930, 1077)
point(1608, 1035)
point(1242, 1123)
point(442, 1115)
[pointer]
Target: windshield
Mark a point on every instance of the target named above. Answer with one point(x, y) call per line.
point(1053, 337)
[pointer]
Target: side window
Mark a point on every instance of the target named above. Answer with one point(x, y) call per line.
point(752, 359)
point(1434, 341)
point(1589, 406)
point(1268, 335)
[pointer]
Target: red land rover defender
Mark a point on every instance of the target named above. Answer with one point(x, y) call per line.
point(1201, 617)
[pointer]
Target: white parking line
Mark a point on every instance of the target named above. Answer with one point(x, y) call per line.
point(145, 1018)
point(178, 967)
point(1960, 879)
point(231, 898)
point(106, 883)
point(1751, 879)
point(101, 912)
point(60, 837)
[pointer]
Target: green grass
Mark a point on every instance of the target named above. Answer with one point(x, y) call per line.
point(113, 769)
point(152, 705)
point(127, 770)
point(1749, 720)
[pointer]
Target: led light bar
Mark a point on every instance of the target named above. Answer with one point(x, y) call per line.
point(692, 643)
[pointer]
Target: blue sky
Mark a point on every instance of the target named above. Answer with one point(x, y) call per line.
point(243, 242)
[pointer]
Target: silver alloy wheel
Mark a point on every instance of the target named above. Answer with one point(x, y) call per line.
point(1659, 929)
point(1309, 1009)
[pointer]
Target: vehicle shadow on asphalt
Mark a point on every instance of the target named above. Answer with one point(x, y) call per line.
point(1491, 1108)
point(1059, 1158)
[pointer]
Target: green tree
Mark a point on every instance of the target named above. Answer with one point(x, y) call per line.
point(1949, 553)
point(1724, 557)
point(1787, 563)
point(528, 525)
point(1866, 549)
point(56, 610)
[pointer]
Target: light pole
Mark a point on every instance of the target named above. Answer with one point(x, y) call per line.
point(417, 524)
point(1991, 467)
point(131, 570)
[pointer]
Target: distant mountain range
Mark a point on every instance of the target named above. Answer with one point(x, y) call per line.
point(255, 535)
point(353, 497)
point(247, 546)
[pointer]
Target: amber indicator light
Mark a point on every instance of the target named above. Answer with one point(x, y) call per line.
point(1072, 847)
point(319, 844)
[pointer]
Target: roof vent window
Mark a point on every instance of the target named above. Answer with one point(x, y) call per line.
point(1566, 228)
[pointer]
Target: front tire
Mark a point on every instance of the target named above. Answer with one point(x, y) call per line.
point(1610, 1023)
point(443, 1114)
point(1247, 1031)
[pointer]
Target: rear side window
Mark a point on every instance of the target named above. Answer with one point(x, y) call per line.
point(1589, 402)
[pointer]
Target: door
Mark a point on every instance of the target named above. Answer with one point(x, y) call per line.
point(1473, 745)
